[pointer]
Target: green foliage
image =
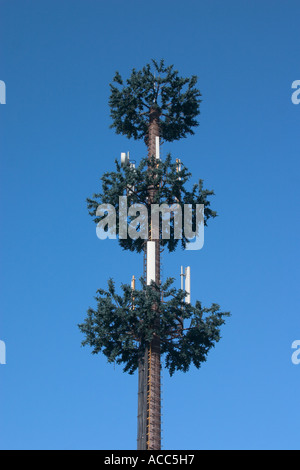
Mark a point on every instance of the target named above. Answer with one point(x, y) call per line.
point(171, 187)
point(159, 87)
point(123, 326)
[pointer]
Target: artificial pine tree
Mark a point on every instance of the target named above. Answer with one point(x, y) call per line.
point(141, 327)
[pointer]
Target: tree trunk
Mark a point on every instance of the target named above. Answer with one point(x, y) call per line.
point(149, 396)
point(142, 403)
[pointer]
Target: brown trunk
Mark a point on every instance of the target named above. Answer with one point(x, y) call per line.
point(142, 403)
point(154, 379)
point(149, 414)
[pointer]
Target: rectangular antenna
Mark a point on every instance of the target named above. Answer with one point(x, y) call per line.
point(181, 278)
point(157, 148)
point(178, 167)
point(150, 262)
point(188, 284)
point(133, 288)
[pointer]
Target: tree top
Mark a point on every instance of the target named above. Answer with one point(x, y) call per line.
point(156, 88)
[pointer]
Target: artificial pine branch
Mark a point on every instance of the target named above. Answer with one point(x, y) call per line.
point(122, 333)
point(120, 328)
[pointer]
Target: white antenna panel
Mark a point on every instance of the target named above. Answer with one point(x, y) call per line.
point(157, 148)
point(124, 159)
point(150, 262)
point(188, 284)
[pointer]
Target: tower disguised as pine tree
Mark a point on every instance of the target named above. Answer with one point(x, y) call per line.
point(153, 326)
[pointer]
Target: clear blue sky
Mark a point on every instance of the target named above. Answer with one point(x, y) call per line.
point(57, 58)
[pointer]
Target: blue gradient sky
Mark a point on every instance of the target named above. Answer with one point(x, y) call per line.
point(57, 58)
